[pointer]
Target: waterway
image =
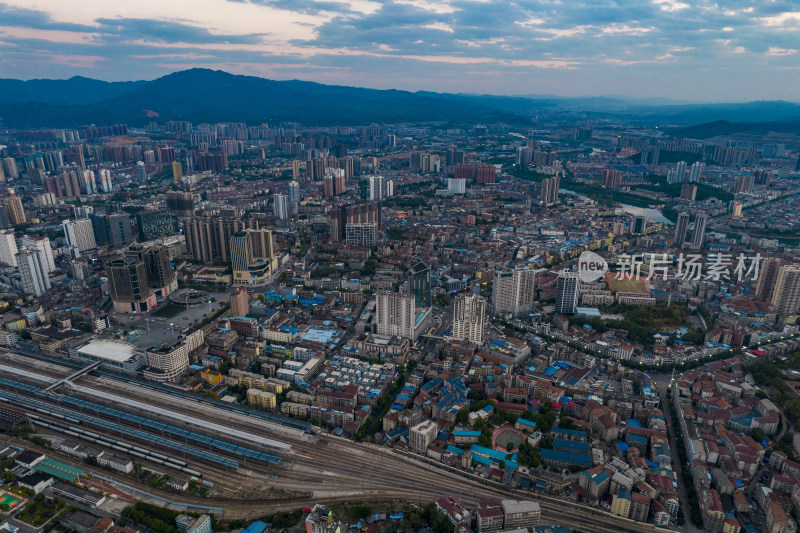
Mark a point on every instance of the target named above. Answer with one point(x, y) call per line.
point(647, 212)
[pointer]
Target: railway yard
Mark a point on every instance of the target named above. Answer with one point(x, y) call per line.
point(255, 463)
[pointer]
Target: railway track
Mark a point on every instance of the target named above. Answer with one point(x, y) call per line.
point(355, 472)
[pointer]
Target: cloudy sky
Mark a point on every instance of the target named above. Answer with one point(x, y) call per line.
point(697, 50)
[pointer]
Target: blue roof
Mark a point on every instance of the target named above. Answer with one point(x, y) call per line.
point(526, 422)
point(574, 432)
point(622, 447)
point(634, 423)
point(571, 445)
point(579, 459)
point(455, 449)
point(462, 433)
point(256, 527)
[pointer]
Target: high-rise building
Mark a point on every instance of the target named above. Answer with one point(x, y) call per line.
point(695, 172)
point(612, 178)
point(79, 234)
point(786, 296)
point(139, 278)
point(8, 248)
point(744, 184)
point(548, 194)
point(10, 166)
point(419, 284)
point(155, 224)
point(208, 238)
point(280, 206)
point(681, 228)
point(767, 278)
point(469, 317)
point(141, 171)
point(513, 292)
point(112, 230)
point(106, 186)
point(181, 203)
point(457, 185)
point(334, 182)
point(252, 256)
point(368, 213)
point(294, 197)
point(380, 188)
point(520, 515)
point(699, 231)
point(395, 314)
point(737, 209)
point(167, 363)
point(688, 192)
point(240, 302)
point(5, 223)
point(568, 293)
point(639, 225)
point(41, 245)
point(677, 174)
point(177, 171)
point(13, 205)
point(33, 272)
point(421, 435)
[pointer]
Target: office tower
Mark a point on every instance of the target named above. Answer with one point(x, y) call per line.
point(33, 272)
point(167, 363)
point(639, 225)
point(456, 185)
point(548, 194)
point(5, 223)
point(568, 293)
point(161, 277)
point(681, 228)
point(181, 203)
point(10, 166)
point(177, 171)
point(8, 248)
point(127, 285)
point(240, 302)
point(112, 230)
point(688, 192)
point(141, 171)
point(41, 245)
point(280, 206)
point(248, 265)
point(699, 232)
point(469, 315)
point(294, 197)
point(13, 205)
point(395, 314)
point(155, 224)
point(419, 284)
point(422, 435)
point(767, 279)
point(786, 296)
point(612, 178)
point(695, 172)
point(140, 277)
point(79, 234)
point(513, 291)
point(106, 186)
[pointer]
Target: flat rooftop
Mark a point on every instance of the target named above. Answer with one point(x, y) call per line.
point(119, 352)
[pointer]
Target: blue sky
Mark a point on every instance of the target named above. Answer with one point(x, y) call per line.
point(693, 50)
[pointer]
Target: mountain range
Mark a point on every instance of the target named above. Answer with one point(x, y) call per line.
point(202, 95)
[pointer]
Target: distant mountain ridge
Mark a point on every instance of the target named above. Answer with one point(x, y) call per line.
point(202, 95)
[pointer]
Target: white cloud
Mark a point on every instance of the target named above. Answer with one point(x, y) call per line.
point(441, 26)
point(775, 51)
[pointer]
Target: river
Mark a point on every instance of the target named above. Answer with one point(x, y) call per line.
point(647, 212)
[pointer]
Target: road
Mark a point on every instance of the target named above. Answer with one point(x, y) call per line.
point(661, 382)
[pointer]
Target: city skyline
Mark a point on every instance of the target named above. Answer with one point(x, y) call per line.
point(666, 48)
